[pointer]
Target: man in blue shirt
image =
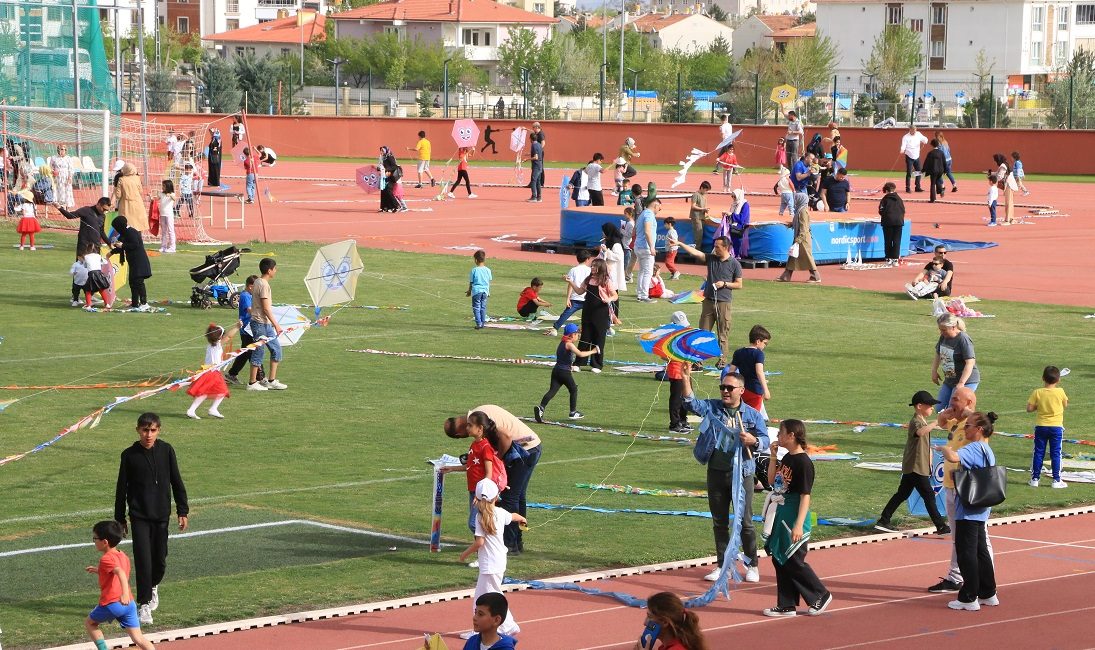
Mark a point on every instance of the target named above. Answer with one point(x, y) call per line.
point(801, 174)
point(646, 237)
point(245, 334)
point(736, 425)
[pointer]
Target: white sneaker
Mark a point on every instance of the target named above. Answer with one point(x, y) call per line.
point(991, 601)
point(576, 369)
point(1060, 484)
point(154, 604)
point(451, 195)
point(552, 332)
point(912, 293)
point(595, 371)
point(474, 564)
point(714, 575)
point(968, 607)
point(274, 384)
point(192, 415)
point(257, 386)
point(1033, 482)
point(467, 635)
point(473, 196)
point(144, 615)
point(752, 574)
point(77, 303)
point(675, 276)
point(215, 414)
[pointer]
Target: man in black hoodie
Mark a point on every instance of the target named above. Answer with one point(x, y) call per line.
point(892, 210)
point(147, 478)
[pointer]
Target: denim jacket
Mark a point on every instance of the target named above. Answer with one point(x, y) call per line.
point(717, 420)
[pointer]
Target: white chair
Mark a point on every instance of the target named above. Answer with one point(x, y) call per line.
point(78, 173)
point(94, 174)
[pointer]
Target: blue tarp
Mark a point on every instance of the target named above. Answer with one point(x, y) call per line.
point(925, 244)
point(832, 241)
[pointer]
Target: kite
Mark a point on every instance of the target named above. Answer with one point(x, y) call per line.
point(368, 178)
point(693, 297)
point(465, 133)
point(677, 343)
point(517, 146)
point(332, 277)
point(841, 160)
point(696, 154)
point(292, 322)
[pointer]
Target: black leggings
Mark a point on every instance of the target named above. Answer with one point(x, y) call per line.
point(463, 173)
point(137, 291)
point(923, 487)
point(891, 235)
point(561, 377)
point(241, 361)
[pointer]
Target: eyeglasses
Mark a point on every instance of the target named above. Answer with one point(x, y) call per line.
point(940, 252)
point(729, 387)
point(96, 539)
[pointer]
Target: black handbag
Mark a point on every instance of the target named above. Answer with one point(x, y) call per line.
point(982, 487)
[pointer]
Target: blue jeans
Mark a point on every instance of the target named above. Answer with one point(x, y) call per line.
point(992, 212)
point(479, 308)
point(472, 512)
point(519, 471)
point(786, 200)
point(1053, 436)
point(945, 392)
point(950, 175)
point(250, 187)
point(843, 208)
point(575, 307)
point(259, 330)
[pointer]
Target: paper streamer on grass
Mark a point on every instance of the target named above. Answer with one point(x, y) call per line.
point(159, 380)
point(654, 366)
point(612, 432)
point(426, 355)
point(91, 420)
point(702, 514)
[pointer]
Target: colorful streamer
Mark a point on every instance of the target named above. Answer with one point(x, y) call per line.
point(158, 380)
point(827, 521)
point(612, 432)
point(426, 355)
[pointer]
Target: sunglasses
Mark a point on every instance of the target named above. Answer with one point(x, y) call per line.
point(729, 387)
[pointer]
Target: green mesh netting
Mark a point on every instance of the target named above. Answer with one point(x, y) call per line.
point(36, 56)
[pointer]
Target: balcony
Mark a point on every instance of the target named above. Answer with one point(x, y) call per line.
point(232, 8)
point(480, 53)
point(278, 3)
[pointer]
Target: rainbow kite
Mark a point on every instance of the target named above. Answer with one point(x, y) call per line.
point(676, 343)
point(693, 297)
point(842, 158)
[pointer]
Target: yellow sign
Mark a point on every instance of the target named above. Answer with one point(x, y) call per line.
point(784, 94)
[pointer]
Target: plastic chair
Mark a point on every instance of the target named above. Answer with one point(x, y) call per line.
point(39, 162)
point(78, 174)
point(94, 174)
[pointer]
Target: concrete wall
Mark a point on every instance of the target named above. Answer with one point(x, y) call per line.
point(873, 149)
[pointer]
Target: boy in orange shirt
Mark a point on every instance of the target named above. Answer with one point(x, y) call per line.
point(530, 301)
point(115, 598)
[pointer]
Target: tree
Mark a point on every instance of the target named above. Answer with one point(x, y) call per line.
point(978, 112)
point(520, 54)
point(688, 108)
point(257, 78)
point(808, 63)
point(222, 92)
point(1072, 93)
point(715, 12)
point(161, 90)
point(895, 57)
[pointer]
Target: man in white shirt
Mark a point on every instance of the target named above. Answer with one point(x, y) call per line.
point(792, 138)
point(910, 147)
point(726, 129)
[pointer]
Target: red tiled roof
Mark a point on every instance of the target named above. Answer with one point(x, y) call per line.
point(281, 30)
point(808, 30)
point(657, 22)
point(776, 23)
point(444, 11)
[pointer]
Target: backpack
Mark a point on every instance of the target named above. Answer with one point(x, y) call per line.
point(397, 173)
point(43, 191)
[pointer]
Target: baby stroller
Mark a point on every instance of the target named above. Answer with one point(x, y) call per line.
point(212, 277)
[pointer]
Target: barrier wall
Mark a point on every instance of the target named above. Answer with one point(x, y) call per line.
point(1044, 151)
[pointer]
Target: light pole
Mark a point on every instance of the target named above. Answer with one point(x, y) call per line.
point(634, 92)
point(337, 61)
point(601, 112)
point(445, 81)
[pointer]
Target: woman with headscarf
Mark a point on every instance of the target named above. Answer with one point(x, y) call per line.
point(627, 152)
point(131, 248)
point(735, 222)
point(388, 168)
point(612, 252)
point(62, 178)
point(801, 255)
point(129, 198)
point(214, 159)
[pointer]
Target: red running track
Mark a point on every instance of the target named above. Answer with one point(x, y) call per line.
point(1045, 572)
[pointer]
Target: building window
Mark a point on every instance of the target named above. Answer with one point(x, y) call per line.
point(538, 7)
point(1036, 53)
point(1060, 53)
point(1085, 14)
point(184, 25)
point(1062, 19)
point(233, 7)
point(394, 30)
point(55, 14)
point(285, 51)
point(939, 49)
point(917, 25)
point(232, 23)
point(239, 51)
point(476, 37)
point(939, 14)
point(1037, 19)
point(895, 14)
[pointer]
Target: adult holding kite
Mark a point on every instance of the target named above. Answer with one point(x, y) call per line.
point(265, 324)
point(92, 219)
point(391, 172)
point(734, 425)
point(724, 275)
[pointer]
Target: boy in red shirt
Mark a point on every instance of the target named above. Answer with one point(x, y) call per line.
point(249, 172)
point(115, 598)
point(530, 302)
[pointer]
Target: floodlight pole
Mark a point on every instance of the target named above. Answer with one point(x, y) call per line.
point(76, 55)
point(144, 91)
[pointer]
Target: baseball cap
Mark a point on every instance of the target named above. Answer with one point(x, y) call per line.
point(570, 329)
point(486, 490)
point(679, 318)
point(923, 397)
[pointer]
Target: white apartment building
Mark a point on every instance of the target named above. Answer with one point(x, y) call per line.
point(1027, 40)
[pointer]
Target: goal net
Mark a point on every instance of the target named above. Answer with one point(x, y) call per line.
point(75, 154)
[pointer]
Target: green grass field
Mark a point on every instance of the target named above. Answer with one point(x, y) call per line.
point(346, 444)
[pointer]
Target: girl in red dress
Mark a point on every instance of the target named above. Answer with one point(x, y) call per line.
point(210, 383)
point(28, 225)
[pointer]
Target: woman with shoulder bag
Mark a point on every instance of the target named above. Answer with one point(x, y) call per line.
point(970, 535)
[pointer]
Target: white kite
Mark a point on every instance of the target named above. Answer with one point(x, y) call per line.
point(332, 278)
point(696, 154)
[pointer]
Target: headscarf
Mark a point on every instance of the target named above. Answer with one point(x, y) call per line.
point(128, 169)
point(630, 142)
point(119, 224)
point(739, 200)
point(612, 235)
point(802, 200)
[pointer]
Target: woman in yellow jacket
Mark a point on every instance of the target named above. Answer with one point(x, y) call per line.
point(129, 198)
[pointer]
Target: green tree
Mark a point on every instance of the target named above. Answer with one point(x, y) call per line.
point(864, 106)
point(895, 57)
point(808, 63)
point(161, 90)
point(715, 12)
point(222, 91)
point(688, 112)
point(577, 71)
point(978, 112)
point(257, 77)
point(520, 54)
point(1073, 91)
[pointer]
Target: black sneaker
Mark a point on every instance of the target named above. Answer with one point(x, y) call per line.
point(884, 525)
point(538, 412)
point(576, 415)
point(780, 611)
point(946, 585)
point(820, 608)
point(943, 530)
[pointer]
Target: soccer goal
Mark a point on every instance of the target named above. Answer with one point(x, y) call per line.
point(75, 153)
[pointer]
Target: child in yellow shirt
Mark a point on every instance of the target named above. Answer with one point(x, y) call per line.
point(1050, 402)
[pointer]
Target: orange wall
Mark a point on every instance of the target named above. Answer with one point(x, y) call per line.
point(1044, 151)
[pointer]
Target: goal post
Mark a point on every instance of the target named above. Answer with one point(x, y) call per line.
point(23, 128)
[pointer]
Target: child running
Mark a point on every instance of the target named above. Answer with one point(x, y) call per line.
point(530, 302)
point(787, 525)
point(97, 282)
point(916, 467)
point(462, 172)
point(562, 374)
point(1049, 426)
point(479, 288)
point(488, 545)
point(211, 382)
point(167, 216)
point(28, 223)
point(1018, 174)
point(115, 597)
point(749, 361)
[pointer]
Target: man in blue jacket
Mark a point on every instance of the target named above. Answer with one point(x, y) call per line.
point(733, 422)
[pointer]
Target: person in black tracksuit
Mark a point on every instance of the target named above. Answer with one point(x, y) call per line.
point(562, 373)
point(892, 210)
point(147, 479)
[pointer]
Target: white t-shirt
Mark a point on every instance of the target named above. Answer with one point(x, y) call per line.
point(784, 182)
point(167, 205)
point(577, 275)
point(93, 262)
point(994, 194)
point(492, 554)
point(671, 235)
point(911, 143)
point(726, 130)
point(593, 173)
point(214, 354)
point(79, 274)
